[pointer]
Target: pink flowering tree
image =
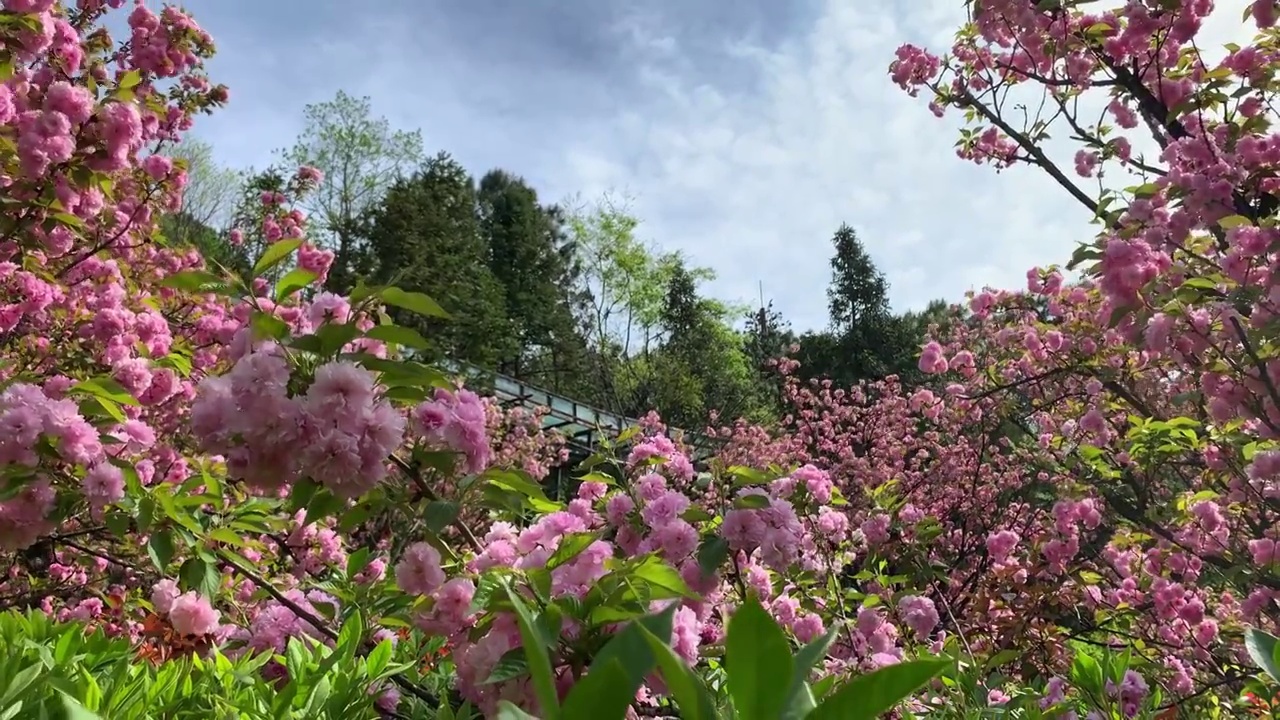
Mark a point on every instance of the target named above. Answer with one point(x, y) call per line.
point(253, 487)
point(1139, 402)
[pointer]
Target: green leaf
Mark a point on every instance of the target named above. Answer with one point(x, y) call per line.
point(439, 513)
point(18, 683)
point(104, 388)
point(402, 372)
point(631, 649)
point(268, 327)
point(1234, 221)
point(118, 523)
point(509, 711)
point(551, 621)
point(327, 339)
point(758, 661)
point(744, 475)
point(513, 664)
point(751, 502)
point(1083, 254)
point(1144, 191)
point(659, 574)
point(544, 684)
point(227, 536)
point(414, 302)
point(799, 698)
point(399, 335)
point(515, 482)
point(530, 494)
point(1086, 674)
point(322, 505)
point(378, 658)
point(1001, 659)
point(599, 477)
point(193, 281)
point(1202, 283)
point(407, 394)
point(302, 493)
point(1262, 647)
point(570, 547)
point(867, 697)
point(363, 292)
point(293, 281)
point(823, 687)
point(1119, 314)
point(160, 548)
point(350, 635)
point(130, 80)
point(106, 406)
point(71, 708)
point(275, 254)
point(602, 694)
point(199, 575)
point(683, 684)
point(358, 561)
point(695, 514)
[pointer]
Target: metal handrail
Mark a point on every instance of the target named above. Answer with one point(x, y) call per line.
point(591, 419)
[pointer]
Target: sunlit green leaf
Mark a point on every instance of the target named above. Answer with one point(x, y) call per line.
point(414, 302)
point(759, 663)
point(869, 696)
point(275, 254)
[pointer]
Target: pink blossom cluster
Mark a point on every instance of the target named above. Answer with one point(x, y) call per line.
point(340, 432)
point(188, 612)
point(314, 547)
point(654, 526)
point(28, 417)
point(519, 441)
point(273, 623)
point(791, 528)
point(456, 421)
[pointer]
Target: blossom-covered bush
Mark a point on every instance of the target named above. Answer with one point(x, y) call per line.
point(236, 495)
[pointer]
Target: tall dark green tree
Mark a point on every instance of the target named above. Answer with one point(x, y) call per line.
point(185, 230)
point(767, 337)
point(209, 196)
point(865, 340)
point(858, 296)
point(567, 360)
point(937, 312)
point(527, 256)
point(702, 347)
point(425, 236)
point(209, 200)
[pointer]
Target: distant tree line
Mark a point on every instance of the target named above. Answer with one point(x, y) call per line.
point(569, 299)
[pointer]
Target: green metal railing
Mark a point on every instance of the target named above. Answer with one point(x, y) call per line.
point(582, 424)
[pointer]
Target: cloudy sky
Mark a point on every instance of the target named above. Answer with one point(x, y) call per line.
point(745, 132)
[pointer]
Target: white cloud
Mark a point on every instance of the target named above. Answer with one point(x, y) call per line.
point(754, 183)
point(746, 156)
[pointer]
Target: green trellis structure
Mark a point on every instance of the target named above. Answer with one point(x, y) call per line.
point(582, 424)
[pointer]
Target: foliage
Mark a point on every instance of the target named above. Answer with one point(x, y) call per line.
point(360, 158)
point(529, 257)
point(60, 671)
point(865, 341)
point(425, 235)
